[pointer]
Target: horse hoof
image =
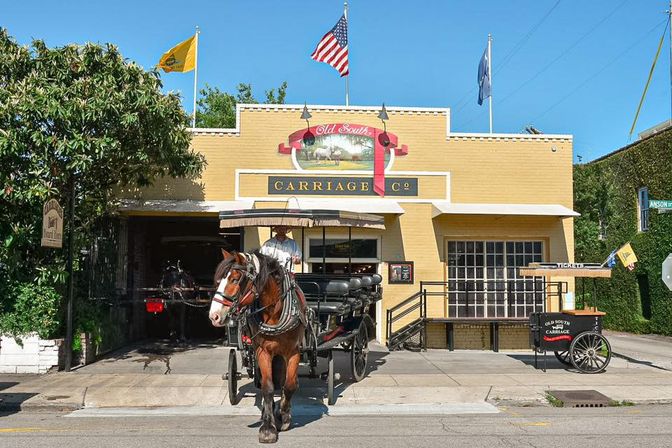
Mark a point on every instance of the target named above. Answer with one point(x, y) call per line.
point(268, 435)
point(286, 423)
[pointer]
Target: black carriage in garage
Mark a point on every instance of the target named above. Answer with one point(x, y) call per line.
point(338, 317)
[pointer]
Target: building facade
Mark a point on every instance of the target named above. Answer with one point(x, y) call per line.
point(462, 209)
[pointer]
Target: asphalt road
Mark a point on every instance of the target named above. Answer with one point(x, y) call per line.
point(641, 426)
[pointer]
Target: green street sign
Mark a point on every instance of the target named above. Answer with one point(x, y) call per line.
point(658, 203)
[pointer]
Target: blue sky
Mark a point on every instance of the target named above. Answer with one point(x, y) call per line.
point(403, 53)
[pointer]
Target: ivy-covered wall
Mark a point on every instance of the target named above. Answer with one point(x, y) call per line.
point(605, 193)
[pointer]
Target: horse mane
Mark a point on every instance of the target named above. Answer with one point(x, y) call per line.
point(269, 268)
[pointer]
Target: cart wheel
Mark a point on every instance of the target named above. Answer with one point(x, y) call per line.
point(590, 352)
point(563, 357)
point(331, 399)
point(359, 353)
point(233, 377)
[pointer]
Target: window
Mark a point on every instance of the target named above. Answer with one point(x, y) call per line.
point(339, 248)
point(362, 252)
point(643, 209)
point(483, 279)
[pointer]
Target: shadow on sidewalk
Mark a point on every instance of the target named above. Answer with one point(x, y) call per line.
point(10, 402)
point(153, 351)
point(551, 361)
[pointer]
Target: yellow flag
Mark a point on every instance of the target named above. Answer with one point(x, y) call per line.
point(180, 58)
point(627, 256)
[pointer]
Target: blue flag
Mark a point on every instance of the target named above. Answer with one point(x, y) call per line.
point(484, 77)
point(611, 259)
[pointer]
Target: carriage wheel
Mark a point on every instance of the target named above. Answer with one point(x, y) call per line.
point(590, 352)
point(331, 399)
point(563, 357)
point(233, 377)
point(359, 353)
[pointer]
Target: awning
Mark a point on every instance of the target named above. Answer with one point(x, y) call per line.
point(162, 206)
point(450, 208)
point(373, 205)
point(298, 218)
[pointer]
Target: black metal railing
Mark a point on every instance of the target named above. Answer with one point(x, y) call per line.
point(415, 307)
point(515, 298)
point(472, 299)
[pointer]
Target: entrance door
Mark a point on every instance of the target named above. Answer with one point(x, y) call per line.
point(362, 256)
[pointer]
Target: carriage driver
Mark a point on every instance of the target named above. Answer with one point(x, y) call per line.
point(282, 248)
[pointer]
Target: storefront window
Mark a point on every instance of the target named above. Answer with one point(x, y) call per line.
point(362, 255)
point(339, 248)
point(483, 279)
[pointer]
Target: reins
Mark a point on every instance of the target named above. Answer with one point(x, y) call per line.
point(290, 315)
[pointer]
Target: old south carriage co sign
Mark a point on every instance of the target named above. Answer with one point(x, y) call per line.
point(52, 224)
point(346, 147)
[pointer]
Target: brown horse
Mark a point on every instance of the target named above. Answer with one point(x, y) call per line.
point(255, 287)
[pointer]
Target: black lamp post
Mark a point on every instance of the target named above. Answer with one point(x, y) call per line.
point(383, 138)
point(308, 137)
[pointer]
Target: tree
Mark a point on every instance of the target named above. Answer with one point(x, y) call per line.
point(217, 109)
point(82, 117)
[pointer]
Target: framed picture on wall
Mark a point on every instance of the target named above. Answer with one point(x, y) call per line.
point(400, 272)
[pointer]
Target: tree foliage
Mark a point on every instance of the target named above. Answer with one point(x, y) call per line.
point(217, 109)
point(606, 191)
point(77, 115)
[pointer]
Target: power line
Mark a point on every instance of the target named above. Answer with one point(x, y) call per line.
point(560, 56)
point(565, 52)
point(507, 57)
point(524, 39)
point(606, 66)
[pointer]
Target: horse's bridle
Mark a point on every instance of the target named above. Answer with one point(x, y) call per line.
point(246, 288)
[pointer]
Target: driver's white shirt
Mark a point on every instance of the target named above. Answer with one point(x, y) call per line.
point(281, 251)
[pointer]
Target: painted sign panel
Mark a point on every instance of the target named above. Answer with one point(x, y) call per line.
point(52, 224)
point(344, 146)
point(343, 186)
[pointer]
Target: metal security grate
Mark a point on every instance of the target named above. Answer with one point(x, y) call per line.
point(581, 398)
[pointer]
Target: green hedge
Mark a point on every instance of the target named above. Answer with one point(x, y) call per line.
point(606, 190)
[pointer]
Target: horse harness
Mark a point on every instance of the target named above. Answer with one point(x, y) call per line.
point(291, 315)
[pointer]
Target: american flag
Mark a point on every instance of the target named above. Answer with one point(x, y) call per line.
point(333, 48)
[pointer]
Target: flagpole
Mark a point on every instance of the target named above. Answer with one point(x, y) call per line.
point(347, 77)
point(193, 119)
point(490, 76)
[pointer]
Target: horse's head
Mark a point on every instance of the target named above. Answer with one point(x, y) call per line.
point(235, 276)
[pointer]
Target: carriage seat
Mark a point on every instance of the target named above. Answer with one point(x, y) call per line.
point(330, 307)
point(338, 287)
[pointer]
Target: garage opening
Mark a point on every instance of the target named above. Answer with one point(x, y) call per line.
point(160, 246)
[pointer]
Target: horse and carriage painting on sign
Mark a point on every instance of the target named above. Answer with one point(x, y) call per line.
point(279, 321)
point(339, 151)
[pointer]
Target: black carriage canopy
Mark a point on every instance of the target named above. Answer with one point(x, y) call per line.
point(299, 218)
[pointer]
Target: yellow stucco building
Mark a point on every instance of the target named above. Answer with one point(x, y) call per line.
point(465, 209)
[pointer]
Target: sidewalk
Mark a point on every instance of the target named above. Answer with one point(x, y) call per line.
point(398, 382)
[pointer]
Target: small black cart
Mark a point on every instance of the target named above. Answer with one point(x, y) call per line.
point(574, 336)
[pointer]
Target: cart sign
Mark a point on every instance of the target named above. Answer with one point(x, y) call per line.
point(52, 224)
point(667, 272)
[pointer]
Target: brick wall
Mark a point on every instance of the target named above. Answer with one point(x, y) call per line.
point(477, 336)
point(32, 355)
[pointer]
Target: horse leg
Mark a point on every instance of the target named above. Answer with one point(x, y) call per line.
point(291, 385)
point(268, 433)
